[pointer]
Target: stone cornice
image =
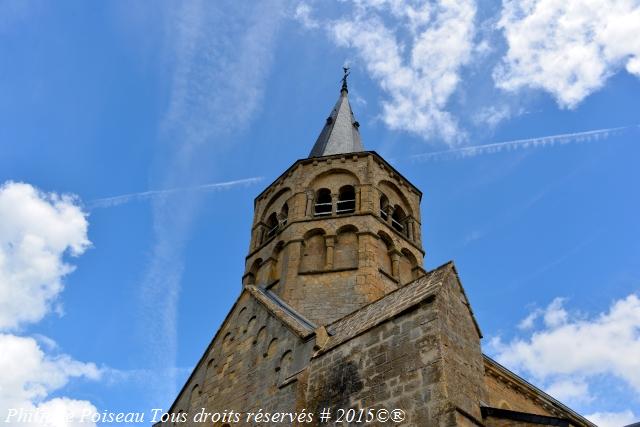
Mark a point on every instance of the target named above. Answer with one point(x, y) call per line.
point(548, 403)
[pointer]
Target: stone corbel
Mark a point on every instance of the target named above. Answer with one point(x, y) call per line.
point(418, 271)
point(322, 338)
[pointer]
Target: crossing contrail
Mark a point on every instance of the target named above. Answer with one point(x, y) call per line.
point(566, 138)
point(108, 202)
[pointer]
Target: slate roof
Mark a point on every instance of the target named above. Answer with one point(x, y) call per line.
point(366, 317)
point(388, 306)
point(340, 133)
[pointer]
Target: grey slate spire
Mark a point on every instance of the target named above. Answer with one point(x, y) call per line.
point(340, 133)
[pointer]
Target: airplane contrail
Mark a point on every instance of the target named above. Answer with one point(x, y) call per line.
point(108, 202)
point(566, 138)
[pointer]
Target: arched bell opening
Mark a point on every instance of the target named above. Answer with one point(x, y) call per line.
point(384, 206)
point(323, 204)
point(398, 220)
point(346, 200)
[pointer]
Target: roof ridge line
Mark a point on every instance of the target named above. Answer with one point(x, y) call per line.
point(353, 313)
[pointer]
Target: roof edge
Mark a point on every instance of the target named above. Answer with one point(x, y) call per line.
point(307, 160)
point(295, 321)
point(525, 417)
point(303, 333)
point(353, 313)
point(466, 299)
point(206, 351)
point(496, 367)
point(429, 295)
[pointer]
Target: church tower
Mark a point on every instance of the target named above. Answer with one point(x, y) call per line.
point(336, 313)
point(338, 229)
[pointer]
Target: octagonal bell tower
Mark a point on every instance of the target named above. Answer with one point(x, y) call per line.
point(336, 230)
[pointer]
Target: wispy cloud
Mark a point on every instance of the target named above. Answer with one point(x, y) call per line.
point(219, 56)
point(415, 52)
point(545, 141)
point(507, 216)
point(586, 241)
point(109, 202)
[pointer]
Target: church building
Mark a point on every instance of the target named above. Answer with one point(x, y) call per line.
point(338, 312)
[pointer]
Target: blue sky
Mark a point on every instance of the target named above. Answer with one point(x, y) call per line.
point(112, 99)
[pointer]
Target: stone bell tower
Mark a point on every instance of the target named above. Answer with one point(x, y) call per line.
point(338, 229)
point(337, 313)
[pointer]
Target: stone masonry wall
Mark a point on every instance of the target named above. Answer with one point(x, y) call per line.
point(327, 266)
point(500, 395)
point(460, 338)
point(394, 365)
point(246, 368)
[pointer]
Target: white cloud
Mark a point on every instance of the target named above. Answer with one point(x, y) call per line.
point(36, 231)
point(493, 115)
point(568, 48)
point(529, 321)
point(569, 351)
point(555, 315)
point(29, 376)
point(613, 419)
point(570, 390)
point(303, 14)
point(415, 53)
point(552, 316)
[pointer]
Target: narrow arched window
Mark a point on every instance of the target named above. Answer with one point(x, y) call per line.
point(314, 251)
point(408, 266)
point(384, 245)
point(271, 348)
point(283, 216)
point(195, 395)
point(345, 251)
point(398, 220)
point(250, 325)
point(384, 205)
point(284, 366)
point(323, 203)
point(346, 200)
point(252, 275)
point(272, 225)
point(210, 365)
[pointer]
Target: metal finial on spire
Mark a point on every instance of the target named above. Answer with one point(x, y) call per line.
point(344, 79)
point(340, 132)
